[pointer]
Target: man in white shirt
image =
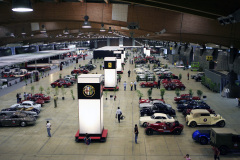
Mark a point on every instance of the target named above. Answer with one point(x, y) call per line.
point(48, 125)
point(118, 114)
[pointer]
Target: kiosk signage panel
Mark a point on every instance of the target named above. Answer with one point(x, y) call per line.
point(110, 72)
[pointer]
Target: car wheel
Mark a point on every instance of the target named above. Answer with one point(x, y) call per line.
point(53, 86)
point(149, 131)
point(23, 124)
point(143, 86)
point(169, 88)
point(203, 141)
point(182, 88)
point(177, 131)
point(193, 124)
point(221, 124)
point(155, 86)
point(145, 124)
point(223, 150)
point(65, 86)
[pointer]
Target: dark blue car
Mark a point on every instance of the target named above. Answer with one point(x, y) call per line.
point(192, 104)
point(202, 136)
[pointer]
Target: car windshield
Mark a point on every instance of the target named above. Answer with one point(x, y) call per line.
point(169, 117)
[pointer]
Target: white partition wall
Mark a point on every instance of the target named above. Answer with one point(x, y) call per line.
point(110, 72)
point(90, 102)
point(119, 61)
point(148, 52)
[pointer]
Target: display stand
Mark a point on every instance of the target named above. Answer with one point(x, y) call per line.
point(90, 102)
point(119, 61)
point(110, 73)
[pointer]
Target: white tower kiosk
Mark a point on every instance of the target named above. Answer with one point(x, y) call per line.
point(119, 61)
point(90, 107)
point(110, 73)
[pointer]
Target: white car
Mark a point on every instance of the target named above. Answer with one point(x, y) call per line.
point(69, 76)
point(156, 117)
point(27, 104)
point(157, 69)
point(11, 112)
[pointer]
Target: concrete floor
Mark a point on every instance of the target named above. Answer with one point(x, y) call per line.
point(32, 142)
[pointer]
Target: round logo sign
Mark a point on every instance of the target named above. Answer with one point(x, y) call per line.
point(88, 91)
point(205, 120)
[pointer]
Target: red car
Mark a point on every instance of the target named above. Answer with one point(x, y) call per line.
point(148, 84)
point(37, 96)
point(164, 81)
point(148, 101)
point(60, 83)
point(185, 97)
point(175, 128)
point(173, 86)
point(78, 71)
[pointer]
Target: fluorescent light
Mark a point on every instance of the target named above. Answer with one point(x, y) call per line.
point(22, 6)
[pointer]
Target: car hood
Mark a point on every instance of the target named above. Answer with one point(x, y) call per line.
point(146, 118)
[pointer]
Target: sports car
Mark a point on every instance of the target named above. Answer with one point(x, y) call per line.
point(60, 83)
point(27, 104)
point(164, 81)
point(37, 96)
point(156, 117)
point(185, 97)
point(148, 84)
point(148, 101)
point(173, 86)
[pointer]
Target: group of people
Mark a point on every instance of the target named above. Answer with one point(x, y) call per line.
point(131, 85)
point(19, 96)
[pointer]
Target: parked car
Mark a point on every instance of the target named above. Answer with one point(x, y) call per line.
point(198, 77)
point(156, 117)
point(161, 108)
point(71, 80)
point(37, 96)
point(60, 83)
point(191, 104)
point(148, 100)
point(38, 101)
point(167, 75)
point(194, 75)
point(152, 103)
point(203, 117)
point(78, 71)
point(173, 86)
point(165, 81)
point(31, 109)
point(163, 127)
point(188, 111)
point(13, 110)
point(148, 84)
point(225, 139)
point(90, 66)
point(27, 104)
point(185, 97)
point(201, 136)
point(17, 119)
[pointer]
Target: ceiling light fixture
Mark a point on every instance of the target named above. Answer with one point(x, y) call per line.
point(86, 24)
point(43, 30)
point(109, 30)
point(102, 29)
point(21, 6)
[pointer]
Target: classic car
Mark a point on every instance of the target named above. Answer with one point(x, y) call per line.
point(38, 101)
point(164, 71)
point(142, 77)
point(152, 103)
point(27, 104)
point(191, 104)
point(160, 108)
point(163, 127)
point(165, 81)
point(78, 71)
point(31, 109)
point(194, 75)
point(167, 75)
point(201, 136)
point(37, 96)
point(90, 66)
point(198, 77)
point(185, 97)
point(156, 117)
point(148, 84)
point(173, 86)
point(17, 119)
point(203, 117)
point(148, 100)
point(188, 111)
point(157, 69)
point(71, 80)
point(13, 110)
point(60, 83)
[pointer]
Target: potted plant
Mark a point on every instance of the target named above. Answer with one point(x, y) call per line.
point(73, 97)
point(199, 93)
point(41, 89)
point(60, 76)
point(32, 89)
point(146, 77)
point(149, 92)
point(154, 77)
point(180, 76)
point(56, 90)
point(106, 92)
point(138, 78)
point(177, 92)
point(190, 92)
point(162, 92)
point(63, 92)
point(119, 77)
point(48, 91)
point(140, 95)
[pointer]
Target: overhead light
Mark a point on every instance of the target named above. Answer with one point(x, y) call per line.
point(102, 29)
point(86, 24)
point(32, 35)
point(109, 30)
point(65, 31)
point(43, 30)
point(23, 32)
point(22, 6)
point(12, 35)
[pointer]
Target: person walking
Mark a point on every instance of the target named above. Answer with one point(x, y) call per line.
point(125, 85)
point(131, 85)
point(216, 153)
point(17, 97)
point(136, 133)
point(87, 139)
point(159, 84)
point(55, 101)
point(238, 102)
point(187, 157)
point(135, 85)
point(25, 96)
point(20, 97)
point(188, 76)
point(129, 72)
point(48, 125)
point(118, 114)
